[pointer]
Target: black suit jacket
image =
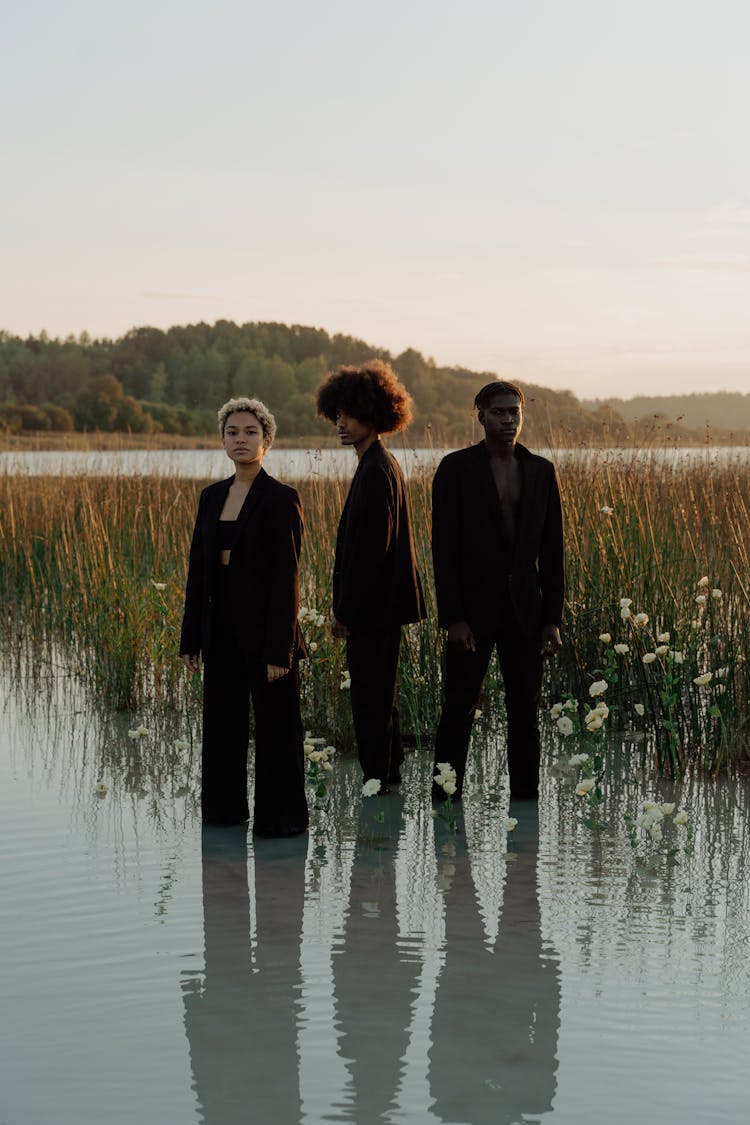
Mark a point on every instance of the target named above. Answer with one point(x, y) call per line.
point(262, 573)
point(375, 578)
point(476, 569)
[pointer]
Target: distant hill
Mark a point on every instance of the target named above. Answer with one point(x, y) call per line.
point(173, 381)
point(721, 410)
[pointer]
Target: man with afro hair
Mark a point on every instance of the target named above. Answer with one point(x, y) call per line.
point(376, 586)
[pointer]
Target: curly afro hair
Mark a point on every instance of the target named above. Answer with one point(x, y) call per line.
point(371, 393)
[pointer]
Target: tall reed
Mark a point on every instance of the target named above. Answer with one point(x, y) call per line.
point(83, 561)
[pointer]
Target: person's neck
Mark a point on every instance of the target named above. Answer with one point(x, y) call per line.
point(361, 447)
point(246, 474)
point(499, 452)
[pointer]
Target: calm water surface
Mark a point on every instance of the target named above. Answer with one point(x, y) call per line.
point(299, 464)
point(377, 970)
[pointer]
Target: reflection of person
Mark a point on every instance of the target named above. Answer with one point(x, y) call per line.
point(376, 587)
point(495, 1027)
point(240, 1016)
point(241, 607)
point(497, 547)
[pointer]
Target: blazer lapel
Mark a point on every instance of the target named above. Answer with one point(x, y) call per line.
point(252, 500)
point(489, 499)
point(526, 507)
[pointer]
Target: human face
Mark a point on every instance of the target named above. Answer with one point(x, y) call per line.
point(243, 438)
point(502, 418)
point(353, 432)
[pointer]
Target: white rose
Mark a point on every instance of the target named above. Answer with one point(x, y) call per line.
point(622, 649)
point(565, 725)
point(661, 650)
point(449, 787)
point(556, 710)
point(605, 638)
point(668, 808)
point(606, 510)
point(681, 818)
point(371, 787)
point(703, 582)
point(641, 619)
point(598, 687)
point(625, 602)
point(678, 657)
point(509, 823)
point(584, 786)
point(625, 613)
point(662, 638)
point(639, 709)
point(717, 595)
point(570, 705)
point(648, 657)
point(579, 759)
point(602, 709)
point(700, 599)
point(701, 681)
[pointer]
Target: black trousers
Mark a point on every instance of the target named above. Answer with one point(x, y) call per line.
point(521, 668)
point(372, 659)
point(230, 680)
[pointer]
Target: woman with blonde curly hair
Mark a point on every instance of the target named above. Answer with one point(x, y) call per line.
point(241, 605)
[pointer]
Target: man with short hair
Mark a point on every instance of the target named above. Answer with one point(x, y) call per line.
point(376, 586)
point(497, 548)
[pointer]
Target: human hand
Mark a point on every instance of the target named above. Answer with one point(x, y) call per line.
point(461, 637)
point(275, 672)
point(338, 629)
point(551, 641)
point(191, 661)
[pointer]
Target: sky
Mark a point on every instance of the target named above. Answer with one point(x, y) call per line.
point(552, 190)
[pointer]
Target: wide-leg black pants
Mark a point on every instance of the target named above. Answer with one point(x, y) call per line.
point(521, 668)
point(372, 659)
point(230, 680)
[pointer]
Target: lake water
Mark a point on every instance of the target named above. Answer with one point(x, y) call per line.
point(299, 464)
point(376, 970)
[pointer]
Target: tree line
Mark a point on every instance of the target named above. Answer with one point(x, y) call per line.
point(172, 381)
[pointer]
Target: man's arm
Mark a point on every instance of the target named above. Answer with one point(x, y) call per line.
point(552, 570)
point(369, 530)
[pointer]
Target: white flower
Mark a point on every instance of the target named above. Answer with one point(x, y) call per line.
point(648, 657)
point(326, 765)
point(678, 657)
point(449, 787)
point(579, 759)
point(681, 818)
point(668, 808)
point(313, 646)
point(641, 619)
point(650, 806)
point(595, 723)
point(556, 710)
point(655, 832)
point(662, 638)
point(371, 787)
point(101, 788)
point(605, 638)
point(602, 709)
point(508, 823)
point(319, 620)
point(625, 613)
point(446, 768)
point(701, 681)
point(138, 732)
point(703, 582)
point(477, 713)
point(622, 649)
point(330, 751)
point(598, 687)
point(717, 595)
point(565, 725)
point(661, 650)
point(639, 709)
point(307, 748)
point(700, 599)
point(346, 683)
point(584, 786)
point(570, 705)
point(180, 744)
point(163, 585)
point(625, 602)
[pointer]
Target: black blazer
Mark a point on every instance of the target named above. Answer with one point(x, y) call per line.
point(375, 578)
point(475, 567)
point(262, 573)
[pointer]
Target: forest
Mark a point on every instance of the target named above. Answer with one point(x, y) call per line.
point(172, 381)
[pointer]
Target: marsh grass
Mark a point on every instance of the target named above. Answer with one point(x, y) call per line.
point(81, 560)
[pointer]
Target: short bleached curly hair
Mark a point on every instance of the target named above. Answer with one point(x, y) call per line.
point(250, 406)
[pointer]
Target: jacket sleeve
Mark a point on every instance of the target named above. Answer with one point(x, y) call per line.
point(552, 557)
point(370, 527)
point(446, 545)
point(287, 526)
point(190, 635)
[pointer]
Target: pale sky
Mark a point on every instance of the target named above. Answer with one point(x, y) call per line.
point(556, 190)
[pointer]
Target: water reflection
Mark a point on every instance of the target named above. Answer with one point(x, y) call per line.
point(353, 979)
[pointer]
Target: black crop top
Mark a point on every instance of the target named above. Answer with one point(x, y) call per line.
point(225, 534)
